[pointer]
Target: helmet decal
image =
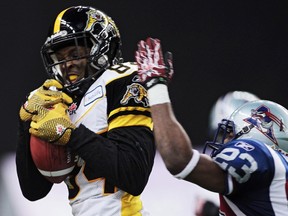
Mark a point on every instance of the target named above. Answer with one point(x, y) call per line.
point(113, 26)
point(93, 17)
point(262, 119)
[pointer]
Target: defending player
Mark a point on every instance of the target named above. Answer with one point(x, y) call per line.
point(108, 126)
point(248, 168)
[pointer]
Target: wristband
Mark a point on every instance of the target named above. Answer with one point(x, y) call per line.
point(158, 94)
point(190, 166)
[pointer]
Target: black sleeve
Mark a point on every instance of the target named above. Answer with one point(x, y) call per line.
point(125, 156)
point(33, 185)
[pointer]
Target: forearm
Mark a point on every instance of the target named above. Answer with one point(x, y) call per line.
point(33, 185)
point(172, 141)
point(126, 163)
point(176, 150)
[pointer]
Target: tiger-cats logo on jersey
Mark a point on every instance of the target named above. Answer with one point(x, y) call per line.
point(136, 92)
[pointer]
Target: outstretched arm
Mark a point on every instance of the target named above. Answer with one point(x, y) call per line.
point(172, 141)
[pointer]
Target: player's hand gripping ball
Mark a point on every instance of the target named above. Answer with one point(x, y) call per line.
point(54, 162)
point(45, 96)
point(52, 124)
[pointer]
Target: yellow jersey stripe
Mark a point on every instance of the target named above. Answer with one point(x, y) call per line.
point(131, 120)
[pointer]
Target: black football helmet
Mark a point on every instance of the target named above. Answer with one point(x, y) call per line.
point(82, 26)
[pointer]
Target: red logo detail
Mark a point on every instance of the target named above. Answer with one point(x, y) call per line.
point(72, 108)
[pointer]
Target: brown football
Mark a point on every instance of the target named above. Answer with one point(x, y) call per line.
point(54, 162)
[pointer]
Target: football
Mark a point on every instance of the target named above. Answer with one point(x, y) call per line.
point(54, 162)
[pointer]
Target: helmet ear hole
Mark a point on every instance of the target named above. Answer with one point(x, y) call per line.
point(100, 62)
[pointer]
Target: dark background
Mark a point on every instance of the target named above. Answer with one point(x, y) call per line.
point(218, 46)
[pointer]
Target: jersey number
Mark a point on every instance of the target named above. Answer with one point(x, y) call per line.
point(245, 161)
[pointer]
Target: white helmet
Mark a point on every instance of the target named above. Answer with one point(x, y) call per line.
point(224, 107)
point(261, 120)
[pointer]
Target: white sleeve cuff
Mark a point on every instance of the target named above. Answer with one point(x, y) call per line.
point(158, 94)
point(190, 166)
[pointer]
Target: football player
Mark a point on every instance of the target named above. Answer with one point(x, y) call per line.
point(108, 123)
point(248, 167)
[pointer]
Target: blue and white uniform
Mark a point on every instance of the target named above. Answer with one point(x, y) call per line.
point(256, 180)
